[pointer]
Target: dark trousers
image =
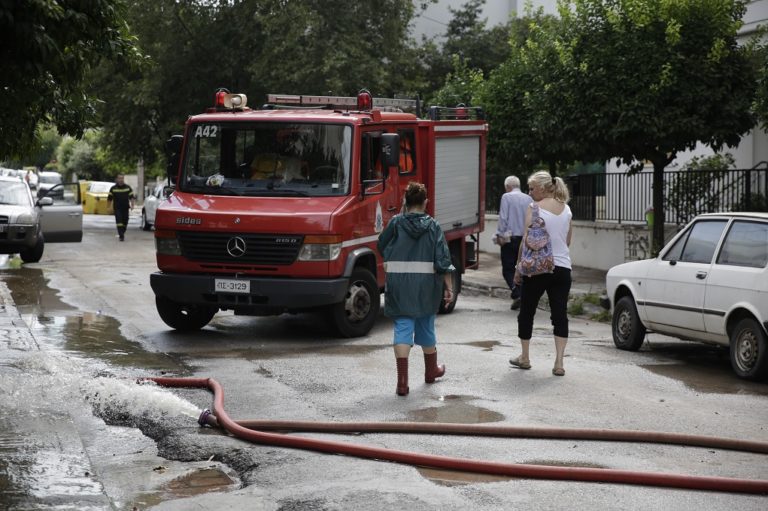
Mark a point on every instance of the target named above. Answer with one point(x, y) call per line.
point(121, 219)
point(509, 252)
point(557, 285)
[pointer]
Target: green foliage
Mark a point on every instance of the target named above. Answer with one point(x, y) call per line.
point(601, 317)
point(761, 99)
point(250, 46)
point(637, 80)
point(523, 101)
point(80, 157)
point(461, 85)
point(576, 307)
point(46, 50)
point(699, 188)
point(469, 39)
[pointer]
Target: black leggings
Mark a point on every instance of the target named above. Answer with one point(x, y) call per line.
point(557, 286)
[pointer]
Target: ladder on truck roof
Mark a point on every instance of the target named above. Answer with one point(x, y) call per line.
point(342, 102)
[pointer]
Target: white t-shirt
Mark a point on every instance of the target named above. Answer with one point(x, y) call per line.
point(558, 227)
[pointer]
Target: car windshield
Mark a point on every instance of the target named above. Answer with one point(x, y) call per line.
point(267, 159)
point(14, 194)
point(52, 179)
point(100, 187)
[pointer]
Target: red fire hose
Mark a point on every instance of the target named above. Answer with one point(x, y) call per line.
point(247, 430)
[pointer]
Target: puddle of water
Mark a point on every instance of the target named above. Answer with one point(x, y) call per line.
point(486, 345)
point(89, 333)
point(561, 463)
point(701, 368)
point(41, 457)
point(456, 410)
point(456, 478)
point(195, 483)
point(707, 380)
point(47, 473)
point(297, 351)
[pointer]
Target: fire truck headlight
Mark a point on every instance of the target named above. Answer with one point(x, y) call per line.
point(320, 248)
point(166, 243)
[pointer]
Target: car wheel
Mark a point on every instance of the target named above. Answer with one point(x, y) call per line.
point(749, 350)
point(145, 226)
point(34, 254)
point(356, 315)
point(183, 317)
point(447, 308)
point(628, 330)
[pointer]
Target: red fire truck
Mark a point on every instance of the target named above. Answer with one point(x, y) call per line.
point(278, 209)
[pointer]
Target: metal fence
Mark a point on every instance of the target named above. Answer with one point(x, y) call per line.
point(619, 197)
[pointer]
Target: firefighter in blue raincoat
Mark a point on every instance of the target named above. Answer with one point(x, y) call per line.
point(418, 266)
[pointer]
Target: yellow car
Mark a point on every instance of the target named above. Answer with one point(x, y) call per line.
point(95, 202)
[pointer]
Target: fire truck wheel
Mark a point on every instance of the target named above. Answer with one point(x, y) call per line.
point(183, 317)
point(447, 308)
point(356, 315)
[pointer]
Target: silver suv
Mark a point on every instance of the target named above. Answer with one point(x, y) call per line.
point(26, 224)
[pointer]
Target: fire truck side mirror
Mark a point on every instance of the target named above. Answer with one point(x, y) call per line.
point(390, 150)
point(173, 150)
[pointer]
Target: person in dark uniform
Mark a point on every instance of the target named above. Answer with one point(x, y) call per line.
point(122, 198)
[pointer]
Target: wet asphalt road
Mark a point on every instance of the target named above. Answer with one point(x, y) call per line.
point(107, 443)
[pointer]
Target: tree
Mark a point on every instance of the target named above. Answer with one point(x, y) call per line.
point(638, 80)
point(46, 49)
point(523, 100)
point(761, 101)
point(250, 46)
point(468, 38)
point(461, 85)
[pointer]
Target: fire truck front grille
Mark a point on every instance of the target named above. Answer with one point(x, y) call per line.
point(228, 248)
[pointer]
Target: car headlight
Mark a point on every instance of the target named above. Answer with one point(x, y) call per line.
point(320, 248)
point(25, 218)
point(167, 243)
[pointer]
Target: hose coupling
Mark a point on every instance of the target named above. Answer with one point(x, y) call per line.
point(207, 418)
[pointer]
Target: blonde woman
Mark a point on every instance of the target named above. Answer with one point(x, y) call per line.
point(551, 195)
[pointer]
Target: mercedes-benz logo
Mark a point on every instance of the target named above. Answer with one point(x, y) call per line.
point(236, 246)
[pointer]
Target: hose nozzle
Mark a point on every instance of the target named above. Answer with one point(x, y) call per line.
point(207, 418)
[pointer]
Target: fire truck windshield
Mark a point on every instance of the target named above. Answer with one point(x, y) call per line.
point(272, 158)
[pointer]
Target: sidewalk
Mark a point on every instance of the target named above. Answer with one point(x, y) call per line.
point(487, 280)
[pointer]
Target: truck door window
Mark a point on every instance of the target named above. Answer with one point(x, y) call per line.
point(370, 157)
point(407, 151)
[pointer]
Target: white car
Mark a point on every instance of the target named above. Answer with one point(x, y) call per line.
point(26, 225)
point(709, 284)
point(151, 203)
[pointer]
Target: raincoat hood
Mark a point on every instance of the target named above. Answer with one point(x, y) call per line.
point(416, 224)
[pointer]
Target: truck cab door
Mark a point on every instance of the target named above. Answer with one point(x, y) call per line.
point(379, 181)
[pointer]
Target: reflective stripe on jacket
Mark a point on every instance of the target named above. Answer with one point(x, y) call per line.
point(416, 256)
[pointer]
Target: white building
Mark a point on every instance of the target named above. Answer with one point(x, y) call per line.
point(433, 21)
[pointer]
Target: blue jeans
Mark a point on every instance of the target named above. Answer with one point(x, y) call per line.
point(418, 330)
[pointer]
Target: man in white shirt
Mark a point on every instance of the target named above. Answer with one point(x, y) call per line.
point(509, 233)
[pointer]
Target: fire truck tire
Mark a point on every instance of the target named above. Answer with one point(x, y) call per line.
point(183, 317)
point(447, 308)
point(355, 316)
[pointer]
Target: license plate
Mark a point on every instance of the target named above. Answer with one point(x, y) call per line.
point(232, 286)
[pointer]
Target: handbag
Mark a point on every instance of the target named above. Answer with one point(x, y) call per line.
point(537, 257)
